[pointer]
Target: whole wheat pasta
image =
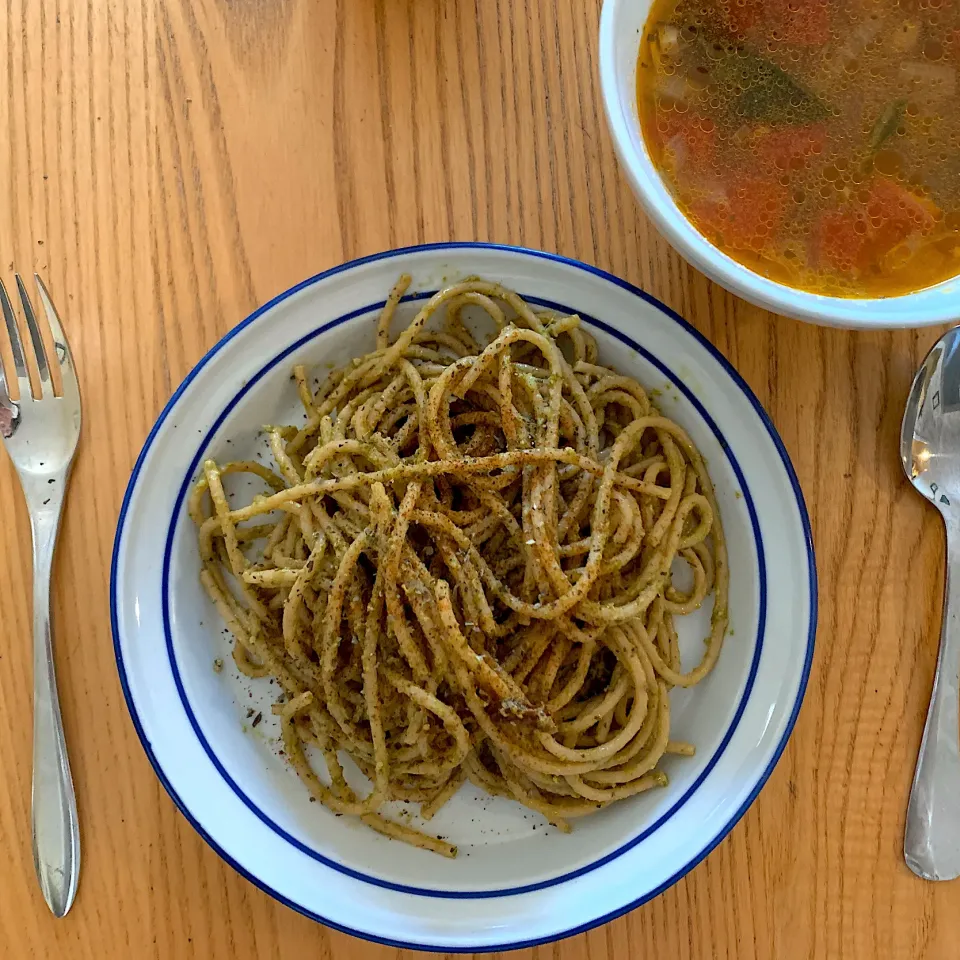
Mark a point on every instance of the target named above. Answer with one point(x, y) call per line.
point(462, 567)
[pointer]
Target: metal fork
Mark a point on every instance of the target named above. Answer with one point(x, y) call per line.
point(40, 434)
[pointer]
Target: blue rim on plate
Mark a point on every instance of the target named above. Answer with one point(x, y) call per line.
point(737, 379)
point(177, 516)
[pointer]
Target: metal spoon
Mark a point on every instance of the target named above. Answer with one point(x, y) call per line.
point(930, 453)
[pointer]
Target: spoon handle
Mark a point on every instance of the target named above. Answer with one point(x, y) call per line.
point(931, 844)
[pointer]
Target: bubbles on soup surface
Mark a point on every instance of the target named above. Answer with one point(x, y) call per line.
point(815, 140)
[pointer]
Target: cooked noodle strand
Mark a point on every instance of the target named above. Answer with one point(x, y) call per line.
point(463, 567)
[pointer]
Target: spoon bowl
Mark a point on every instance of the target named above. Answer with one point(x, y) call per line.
point(930, 436)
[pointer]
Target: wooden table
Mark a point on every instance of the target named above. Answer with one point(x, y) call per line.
point(168, 165)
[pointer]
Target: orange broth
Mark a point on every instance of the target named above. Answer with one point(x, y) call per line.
point(815, 141)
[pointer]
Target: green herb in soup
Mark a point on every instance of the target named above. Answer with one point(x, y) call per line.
point(815, 141)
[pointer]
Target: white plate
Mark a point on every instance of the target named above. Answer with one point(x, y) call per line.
point(516, 882)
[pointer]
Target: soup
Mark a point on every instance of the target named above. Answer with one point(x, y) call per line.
point(815, 141)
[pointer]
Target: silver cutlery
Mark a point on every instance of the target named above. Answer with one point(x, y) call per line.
point(930, 453)
point(40, 433)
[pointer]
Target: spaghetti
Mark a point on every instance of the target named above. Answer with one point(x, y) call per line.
point(463, 567)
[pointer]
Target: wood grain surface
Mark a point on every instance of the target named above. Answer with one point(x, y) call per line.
point(168, 165)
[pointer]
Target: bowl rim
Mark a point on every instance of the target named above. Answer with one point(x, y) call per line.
point(920, 308)
point(738, 382)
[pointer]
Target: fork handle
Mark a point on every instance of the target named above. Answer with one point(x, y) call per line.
point(932, 840)
point(56, 831)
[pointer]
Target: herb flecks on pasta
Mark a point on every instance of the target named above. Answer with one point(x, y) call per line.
point(463, 567)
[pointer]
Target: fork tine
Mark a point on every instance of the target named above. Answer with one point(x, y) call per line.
point(60, 344)
point(38, 348)
point(4, 393)
point(16, 347)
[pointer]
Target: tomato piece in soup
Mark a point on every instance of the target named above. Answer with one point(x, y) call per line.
point(688, 142)
point(849, 238)
point(801, 22)
point(686, 131)
point(839, 240)
point(742, 15)
point(798, 22)
point(894, 213)
point(788, 148)
point(747, 216)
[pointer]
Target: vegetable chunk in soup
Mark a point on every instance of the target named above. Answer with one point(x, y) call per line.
point(815, 141)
